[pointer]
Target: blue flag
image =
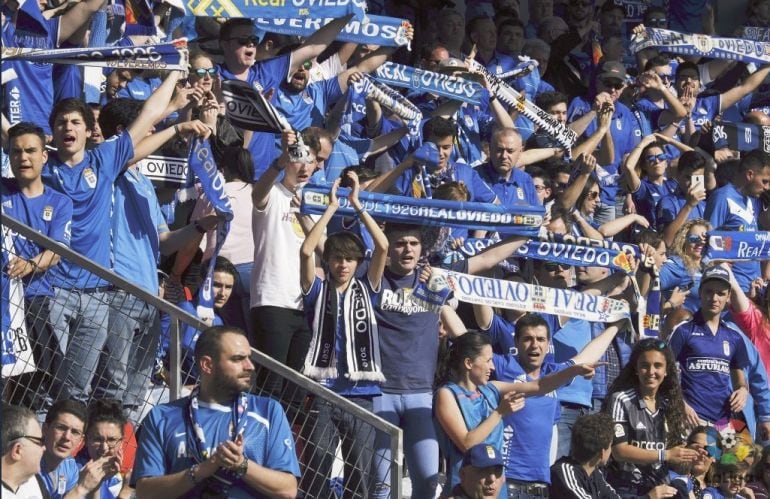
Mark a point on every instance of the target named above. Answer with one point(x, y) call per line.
point(213, 183)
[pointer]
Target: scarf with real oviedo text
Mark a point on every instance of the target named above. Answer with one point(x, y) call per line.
point(521, 220)
point(518, 296)
point(736, 246)
point(715, 47)
point(362, 343)
point(213, 183)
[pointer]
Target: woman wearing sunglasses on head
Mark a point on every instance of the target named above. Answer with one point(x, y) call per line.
point(680, 275)
point(647, 409)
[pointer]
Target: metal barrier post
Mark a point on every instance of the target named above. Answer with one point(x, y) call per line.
point(396, 466)
point(175, 353)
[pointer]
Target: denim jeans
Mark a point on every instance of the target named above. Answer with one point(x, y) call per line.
point(413, 413)
point(79, 319)
point(567, 420)
point(332, 424)
point(129, 323)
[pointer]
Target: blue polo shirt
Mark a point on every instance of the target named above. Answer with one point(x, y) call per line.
point(568, 341)
point(136, 224)
point(705, 360)
point(673, 274)
point(61, 480)
point(705, 109)
point(90, 186)
point(50, 214)
point(728, 209)
point(502, 334)
point(527, 433)
point(519, 189)
point(308, 107)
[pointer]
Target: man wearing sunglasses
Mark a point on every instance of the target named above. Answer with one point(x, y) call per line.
point(22, 449)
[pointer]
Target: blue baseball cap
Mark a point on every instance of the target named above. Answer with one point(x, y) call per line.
point(716, 273)
point(482, 456)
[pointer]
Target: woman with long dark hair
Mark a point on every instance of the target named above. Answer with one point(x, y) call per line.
point(469, 409)
point(647, 408)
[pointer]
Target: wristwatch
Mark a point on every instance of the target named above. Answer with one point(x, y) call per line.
point(240, 470)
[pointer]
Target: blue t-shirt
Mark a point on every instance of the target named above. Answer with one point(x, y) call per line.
point(647, 196)
point(90, 186)
point(136, 223)
point(308, 107)
point(61, 480)
point(474, 123)
point(502, 334)
point(408, 336)
point(568, 341)
point(341, 385)
point(673, 274)
point(527, 433)
point(167, 442)
point(729, 209)
point(109, 488)
point(705, 109)
point(705, 360)
point(519, 189)
point(50, 214)
point(29, 97)
point(669, 207)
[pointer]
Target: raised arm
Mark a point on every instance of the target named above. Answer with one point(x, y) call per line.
point(629, 178)
point(546, 384)
point(152, 143)
point(366, 65)
point(261, 190)
point(750, 84)
point(495, 254)
point(585, 166)
point(596, 348)
point(589, 145)
point(612, 227)
point(153, 108)
point(307, 250)
point(77, 16)
point(380, 253)
point(317, 43)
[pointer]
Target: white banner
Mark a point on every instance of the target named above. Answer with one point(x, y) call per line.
point(17, 331)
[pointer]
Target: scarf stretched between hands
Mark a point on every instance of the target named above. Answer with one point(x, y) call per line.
point(380, 30)
point(522, 220)
point(362, 343)
point(295, 9)
point(715, 47)
point(157, 56)
point(517, 296)
point(735, 245)
point(741, 136)
point(425, 81)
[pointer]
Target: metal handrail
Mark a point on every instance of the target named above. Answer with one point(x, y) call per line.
point(177, 314)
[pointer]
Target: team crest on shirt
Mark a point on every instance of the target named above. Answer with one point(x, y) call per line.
point(48, 213)
point(726, 348)
point(8, 203)
point(520, 193)
point(468, 121)
point(90, 177)
point(307, 97)
point(619, 431)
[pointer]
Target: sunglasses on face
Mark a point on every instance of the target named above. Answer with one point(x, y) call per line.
point(539, 188)
point(654, 158)
point(553, 267)
point(695, 239)
point(613, 84)
point(245, 40)
point(652, 344)
point(202, 72)
point(734, 478)
point(593, 195)
point(656, 22)
point(664, 78)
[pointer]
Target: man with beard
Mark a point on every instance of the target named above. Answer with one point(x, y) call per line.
point(219, 441)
